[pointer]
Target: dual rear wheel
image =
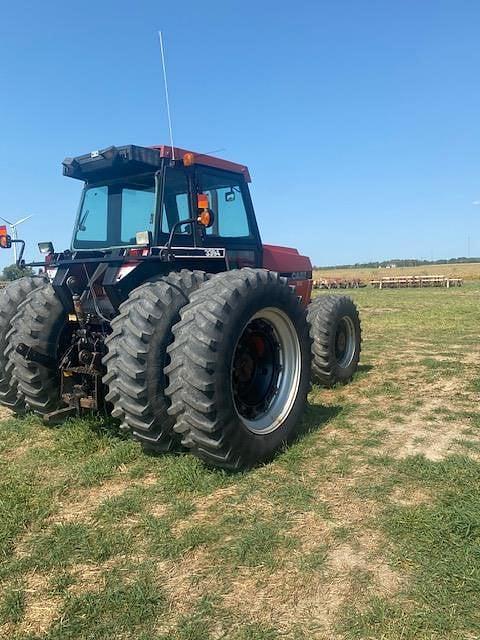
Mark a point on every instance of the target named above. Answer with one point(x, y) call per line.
point(243, 349)
point(220, 364)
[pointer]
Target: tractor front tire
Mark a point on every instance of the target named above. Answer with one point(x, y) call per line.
point(137, 356)
point(40, 324)
point(240, 368)
point(336, 339)
point(11, 298)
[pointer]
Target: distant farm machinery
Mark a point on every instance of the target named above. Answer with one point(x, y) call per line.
point(338, 283)
point(416, 282)
point(389, 282)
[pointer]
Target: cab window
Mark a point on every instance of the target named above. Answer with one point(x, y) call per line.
point(227, 203)
point(175, 202)
point(138, 212)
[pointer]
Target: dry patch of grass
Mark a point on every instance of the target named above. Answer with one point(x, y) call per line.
point(312, 594)
point(84, 503)
point(410, 497)
point(41, 607)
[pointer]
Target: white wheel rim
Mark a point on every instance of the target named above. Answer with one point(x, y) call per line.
point(347, 327)
point(284, 377)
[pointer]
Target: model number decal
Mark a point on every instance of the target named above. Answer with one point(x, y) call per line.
point(213, 253)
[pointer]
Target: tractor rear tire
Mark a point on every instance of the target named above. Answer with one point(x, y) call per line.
point(336, 339)
point(137, 356)
point(240, 368)
point(11, 299)
point(40, 324)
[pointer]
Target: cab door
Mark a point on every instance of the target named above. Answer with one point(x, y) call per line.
point(234, 225)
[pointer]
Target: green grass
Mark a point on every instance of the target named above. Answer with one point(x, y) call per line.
point(368, 526)
point(438, 545)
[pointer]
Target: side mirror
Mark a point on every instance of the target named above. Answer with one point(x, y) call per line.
point(229, 195)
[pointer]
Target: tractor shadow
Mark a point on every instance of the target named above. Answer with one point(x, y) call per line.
point(316, 418)
point(362, 371)
point(97, 424)
point(317, 415)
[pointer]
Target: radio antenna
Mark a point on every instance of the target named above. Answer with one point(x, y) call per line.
point(162, 52)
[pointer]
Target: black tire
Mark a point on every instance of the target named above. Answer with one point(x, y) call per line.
point(137, 356)
point(336, 339)
point(11, 298)
point(223, 419)
point(40, 324)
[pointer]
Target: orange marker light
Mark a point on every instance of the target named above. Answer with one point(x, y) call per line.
point(188, 159)
point(5, 242)
point(202, 201)
point(204, 218)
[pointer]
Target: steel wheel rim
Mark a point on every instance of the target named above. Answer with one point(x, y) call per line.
point(345, 342)
point(282, 378)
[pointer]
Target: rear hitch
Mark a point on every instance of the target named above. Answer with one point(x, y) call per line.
point(77, 398)
point(55, 417)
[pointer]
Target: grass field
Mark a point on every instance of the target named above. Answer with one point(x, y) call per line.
point(367, 527)
point(465, 271)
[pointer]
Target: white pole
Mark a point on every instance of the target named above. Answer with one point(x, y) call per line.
point(162, 52)
point(14, 234)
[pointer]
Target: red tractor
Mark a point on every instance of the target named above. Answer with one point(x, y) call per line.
point(169, 312)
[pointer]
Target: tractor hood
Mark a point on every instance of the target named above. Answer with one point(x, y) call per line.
point(285, 260)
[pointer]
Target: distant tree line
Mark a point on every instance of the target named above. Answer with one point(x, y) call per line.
point(410, 262)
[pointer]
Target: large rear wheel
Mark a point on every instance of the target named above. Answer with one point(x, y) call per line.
point(11, 298)
point(42, 324)
point(336, 339)
point(240, 368)
point(137, 356)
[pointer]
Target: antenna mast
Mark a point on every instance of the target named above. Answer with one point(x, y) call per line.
point(162, 52)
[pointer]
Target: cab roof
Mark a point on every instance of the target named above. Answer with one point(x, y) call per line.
point(132, 159)
point(205, 159)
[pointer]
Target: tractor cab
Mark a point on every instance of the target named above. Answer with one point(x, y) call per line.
point(161, 197)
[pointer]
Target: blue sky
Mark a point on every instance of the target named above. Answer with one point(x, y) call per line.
point(359, 120)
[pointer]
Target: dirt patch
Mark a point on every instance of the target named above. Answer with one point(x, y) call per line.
point(207, 508)
point(41, 440)
point(290, 597)
point(158, 510)
point(88, 577)
point(92, 577)
point(425, 431)
point(310, 530)
point(41, 608)
point(82, 504)
point(473, 358)
point(5, 413)
point(410, 497)
point(419, 424)
point(364, 555)
point(185, 582)
point(434, 445)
